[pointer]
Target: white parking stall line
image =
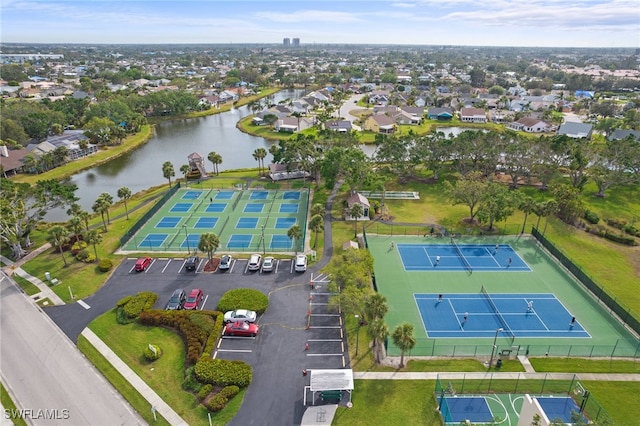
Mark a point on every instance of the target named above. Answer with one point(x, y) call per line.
point(325, 315)
point(324, 340)
point(165, 267)
point(204, 302)
point(233, 263)
point(277, 264)
point(318, 304)
point(235, 350)
point(325, 354)
point(326, 326)
point(83, 304)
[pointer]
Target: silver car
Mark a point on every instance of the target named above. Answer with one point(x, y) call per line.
point(268, 264)
point(240, 315)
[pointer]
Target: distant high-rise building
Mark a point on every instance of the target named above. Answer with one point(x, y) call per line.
point(296, 42)
point(286, 42)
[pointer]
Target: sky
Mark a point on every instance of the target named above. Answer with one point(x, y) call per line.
point(549, 23)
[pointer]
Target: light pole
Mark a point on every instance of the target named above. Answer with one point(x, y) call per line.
point(357, 333)
point(187, 236)
point(493, 349)
point(264, 248)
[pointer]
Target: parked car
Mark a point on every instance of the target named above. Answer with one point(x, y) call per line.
point(193, 299)
point(142, 264)
point(191, 263)
point(176, 301)
point(241, 328)
point(268, 263)
point(225, 262)
point(254, 262)
point(301, 263)
point(240, 315)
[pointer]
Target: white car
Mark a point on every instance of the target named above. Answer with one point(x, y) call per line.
point(240, 315)
point(301, 263)
point(225, 262)
point(255, 261)
point(268, 264)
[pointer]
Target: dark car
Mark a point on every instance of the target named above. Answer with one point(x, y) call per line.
point(241, 328)
point(225, 262)
point(193, 299)
point(176, 301)
point(191, 263)
point(142, 264)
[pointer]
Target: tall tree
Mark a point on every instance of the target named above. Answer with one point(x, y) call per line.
point(108, 202)
point(208, 243)
point(527, 206)
point(75, 225)
point(295, 233)
point(215, 159)
point(124, 194)
point(498, 203)
point(101, 206)
point(185, 169)
point(570, 205)
point(94, 237)
point(468, 190)
point(356, 211)
point(259, 155)
point(403, 338)
point(317, 209)
point(57, 236)
point(167, 171)
point(378, 331)
point(316, 224)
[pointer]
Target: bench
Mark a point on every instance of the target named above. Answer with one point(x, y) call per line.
point(331, 394)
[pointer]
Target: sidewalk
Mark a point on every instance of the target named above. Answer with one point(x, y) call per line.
point(45, 290)
point(147, 393)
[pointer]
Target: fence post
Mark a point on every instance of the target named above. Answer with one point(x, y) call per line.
point(614, 348)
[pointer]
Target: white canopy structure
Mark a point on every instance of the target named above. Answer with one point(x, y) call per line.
point(329, 380)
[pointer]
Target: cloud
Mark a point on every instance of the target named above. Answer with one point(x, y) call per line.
point(309, 16)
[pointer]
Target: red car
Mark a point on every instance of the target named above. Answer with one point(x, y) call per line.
point(194, 299)
point(241, 328)
point(142, 264)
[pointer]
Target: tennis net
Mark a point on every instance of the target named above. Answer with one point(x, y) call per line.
point(505, 327)
point(465, 263)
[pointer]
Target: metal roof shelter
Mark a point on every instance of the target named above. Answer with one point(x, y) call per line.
point(327, 380)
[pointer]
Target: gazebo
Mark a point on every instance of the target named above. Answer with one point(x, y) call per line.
point(329, 380)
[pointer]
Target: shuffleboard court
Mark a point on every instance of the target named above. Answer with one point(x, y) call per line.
point(291, 195)
point(239, 241)
point(289, 208)
point(206, 222)
point(253, 208)
point(247, 223)
point(168, 222)
point(191, 195)
point(181, 207)
point(285, 222)
point(259, 195)
point(224, 195)
point(215, 207)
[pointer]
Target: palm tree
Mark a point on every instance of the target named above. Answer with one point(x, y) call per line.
point(75, 225)
point(124, 194)
point(375, 307)
point(317, 209)
point(167, 171)
point(259, 155)
point(108, 201)
point(550, 208)
point(58, 237)
point(216, 159)
point(262, 154)
point(378, 331)
point(356, 211)
point(209, 242)
point(94, 237)
point(316, 224)
point(185, 169)
point(403, 338)
point(527, 206)
point(295, 233)
point(85, 216)
point(379, 185)
point(101, 206)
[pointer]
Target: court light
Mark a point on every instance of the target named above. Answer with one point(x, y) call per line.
point(493, 349)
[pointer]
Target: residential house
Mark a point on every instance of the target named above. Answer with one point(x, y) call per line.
point(529, 124)
point(501, 116)
point(358, 198)
point(473, 115)
point(292, 124)
point(440, 114)
point(380, 123)
point(408, 115)
point(575, 130)
point(342, 126)
point(379, 97)
point(12, 161)
point(620, 134)
point(212, 101)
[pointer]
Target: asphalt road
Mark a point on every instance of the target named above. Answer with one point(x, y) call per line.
point(44, 371)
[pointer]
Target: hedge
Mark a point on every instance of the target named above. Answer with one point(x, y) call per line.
point(243, 298)
point(223, 372)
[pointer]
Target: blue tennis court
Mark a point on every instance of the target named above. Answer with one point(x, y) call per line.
point(153, 240)
point(191, 242)
point(446, 257)
point(259, 195)
point(224, 195)
point(239, 241)
point(168, 222)
point(216, 207)
point(181, 207)
point(206, 222)
point(291, 195)
point(253, 208)
point(560, 408)
point(191, 195)
point(285, 222)
point(247, 223)
point(280, 242)
point(476, 315)
point(459, 409)
point(289, 208)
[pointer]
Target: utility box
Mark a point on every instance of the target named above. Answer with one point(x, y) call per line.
point(498, 363)
point(47, 276)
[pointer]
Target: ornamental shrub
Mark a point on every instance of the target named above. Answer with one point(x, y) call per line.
point(190, 383)
point(123, 301)
point(217, 403)
point(223, 372)
point(591, 217)
point(150, 355)
point(77, 246)
point(243, 298)
point(204, 392)
point(105, 265)
point(131, 309)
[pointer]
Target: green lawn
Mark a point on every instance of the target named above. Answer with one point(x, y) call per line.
point(581, 365)
point(8, 404)
point(165, 375)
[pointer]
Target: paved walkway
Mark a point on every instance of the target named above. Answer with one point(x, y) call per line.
point(367, 375)
point(149, 394)
point(45, 290)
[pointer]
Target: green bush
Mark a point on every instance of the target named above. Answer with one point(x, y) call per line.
point(591, 217)
point(123, 301)
point(190, 383)
point(105, 265)
point(131, 309)
point(223, 372)
point(83, 255)
point(150, 355)
point(243, 298)
point(622, 239)
point(217, 403)
point(204, 392)
point(230, 391)
point(77, 246)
